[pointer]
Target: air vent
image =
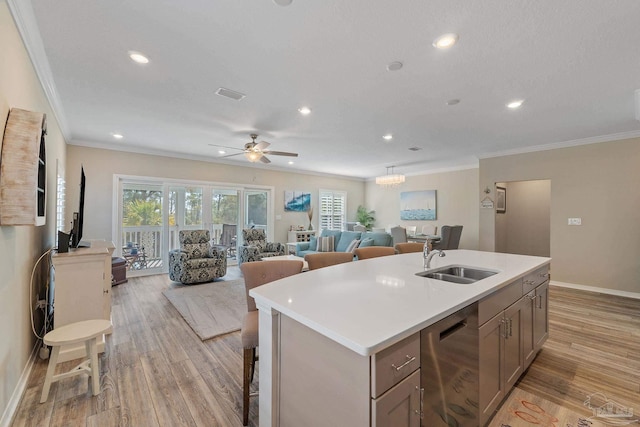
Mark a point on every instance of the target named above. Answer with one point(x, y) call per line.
point(415, 148)
point(228, 93)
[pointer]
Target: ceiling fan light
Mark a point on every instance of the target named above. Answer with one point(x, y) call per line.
point(252, 156)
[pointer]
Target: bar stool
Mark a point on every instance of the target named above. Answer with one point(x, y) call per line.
point(87, 331)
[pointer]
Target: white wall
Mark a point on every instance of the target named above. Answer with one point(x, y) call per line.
point(457, 202)
point(21, 246)
point(595, 182)
point(101, 165)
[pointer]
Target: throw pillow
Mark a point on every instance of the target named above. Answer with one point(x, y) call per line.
point(352, 246)
point(366, 242)
point(313, 243)
point(325, 244)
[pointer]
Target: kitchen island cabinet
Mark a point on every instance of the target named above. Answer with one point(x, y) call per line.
point(322, 331)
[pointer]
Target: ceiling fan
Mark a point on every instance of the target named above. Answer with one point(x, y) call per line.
point(255, 151)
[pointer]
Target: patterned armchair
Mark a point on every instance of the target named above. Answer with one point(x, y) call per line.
point(256, 247)
point(196, 261)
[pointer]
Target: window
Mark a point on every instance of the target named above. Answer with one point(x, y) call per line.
point(60, 197)
point(333, 209)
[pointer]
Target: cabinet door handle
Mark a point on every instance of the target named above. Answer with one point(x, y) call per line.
point(503, 328)
point(510, 327)
point(540, 301)
point(409, 360)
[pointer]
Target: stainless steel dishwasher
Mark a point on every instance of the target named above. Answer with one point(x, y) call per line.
point(449, 369)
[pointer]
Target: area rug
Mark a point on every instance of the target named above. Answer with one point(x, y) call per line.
point(210, 309)
point(522, 409)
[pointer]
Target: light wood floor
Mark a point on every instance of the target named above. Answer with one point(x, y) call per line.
point(157, 372)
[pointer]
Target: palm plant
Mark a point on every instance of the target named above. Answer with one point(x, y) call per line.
point(365, 217)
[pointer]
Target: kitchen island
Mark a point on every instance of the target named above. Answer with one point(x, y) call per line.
point(322, 332)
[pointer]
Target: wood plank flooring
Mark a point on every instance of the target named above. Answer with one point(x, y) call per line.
point(156, 371)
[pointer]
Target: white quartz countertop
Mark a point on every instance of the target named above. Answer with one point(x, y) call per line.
point(371, 304)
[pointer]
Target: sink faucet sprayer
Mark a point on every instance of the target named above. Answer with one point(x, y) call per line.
point(428, 254)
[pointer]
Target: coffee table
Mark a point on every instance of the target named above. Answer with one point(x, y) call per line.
point(305, 266)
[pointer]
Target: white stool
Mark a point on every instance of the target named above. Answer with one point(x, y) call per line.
point(87, 331)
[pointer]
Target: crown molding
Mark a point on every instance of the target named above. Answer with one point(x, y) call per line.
point(25, 20)
point(201, 158)
point(564, 144)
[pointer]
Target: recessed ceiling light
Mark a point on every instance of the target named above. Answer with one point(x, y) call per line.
point(394, 66)
point(221, 152)
point(445, 41)
point(138, 57)
point(290, 162)
point(117, 135)
point(283, 2)
point(453, 102)
point(388, 137)
point(304, 111)
point(515, 104)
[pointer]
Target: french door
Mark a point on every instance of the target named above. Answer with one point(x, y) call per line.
point(151, 215)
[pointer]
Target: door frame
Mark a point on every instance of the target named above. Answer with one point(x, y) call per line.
point(116, 217)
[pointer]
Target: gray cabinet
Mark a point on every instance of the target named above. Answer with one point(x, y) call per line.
point(400, 405)
point(500, 357)
point(395, 385)
point(511, 339)
point(541, 315)
point(536, 322)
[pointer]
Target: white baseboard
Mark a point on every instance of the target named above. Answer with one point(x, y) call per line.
point(10, 411)
point(615, 292)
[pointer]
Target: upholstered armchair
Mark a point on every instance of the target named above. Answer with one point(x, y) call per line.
point(256, 247)
point(196, 261)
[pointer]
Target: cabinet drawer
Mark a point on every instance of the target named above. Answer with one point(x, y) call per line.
point(532, 280)
point(393, 364)
point(489, 306)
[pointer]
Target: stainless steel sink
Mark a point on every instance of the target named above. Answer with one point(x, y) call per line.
point(457, 274)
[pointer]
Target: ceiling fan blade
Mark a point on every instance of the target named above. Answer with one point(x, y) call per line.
point(231, 155)
point(224, 146)
point(281, 153)
point(262, 145)
point(264, 159)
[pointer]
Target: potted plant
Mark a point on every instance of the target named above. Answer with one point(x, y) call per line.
point(365, 217)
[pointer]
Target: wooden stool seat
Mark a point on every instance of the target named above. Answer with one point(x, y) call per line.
point(87, 331)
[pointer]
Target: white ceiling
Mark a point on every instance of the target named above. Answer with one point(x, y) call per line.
point(575, 62)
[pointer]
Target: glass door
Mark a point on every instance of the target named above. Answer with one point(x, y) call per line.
point(185, 211)
point(224, 219)
point(142, 227)
point(256, 210)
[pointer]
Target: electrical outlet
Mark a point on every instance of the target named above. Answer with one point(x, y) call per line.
point(575, 221)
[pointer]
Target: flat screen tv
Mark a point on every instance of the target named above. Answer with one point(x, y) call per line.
point(78, 217)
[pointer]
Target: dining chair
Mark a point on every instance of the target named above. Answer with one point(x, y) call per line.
point(325, 259)
point(450, 237)
point(256, 274)
point(429, 230)
point(405, 248)
point(374, 252)
point(411, 230)
point(399, 234)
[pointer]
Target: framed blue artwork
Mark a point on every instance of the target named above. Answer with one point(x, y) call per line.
point(418, 205)
point(297, 201)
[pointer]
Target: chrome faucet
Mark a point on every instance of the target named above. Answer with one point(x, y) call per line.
point(430, 253)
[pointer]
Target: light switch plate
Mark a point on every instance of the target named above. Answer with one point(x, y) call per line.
point(575, 221)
